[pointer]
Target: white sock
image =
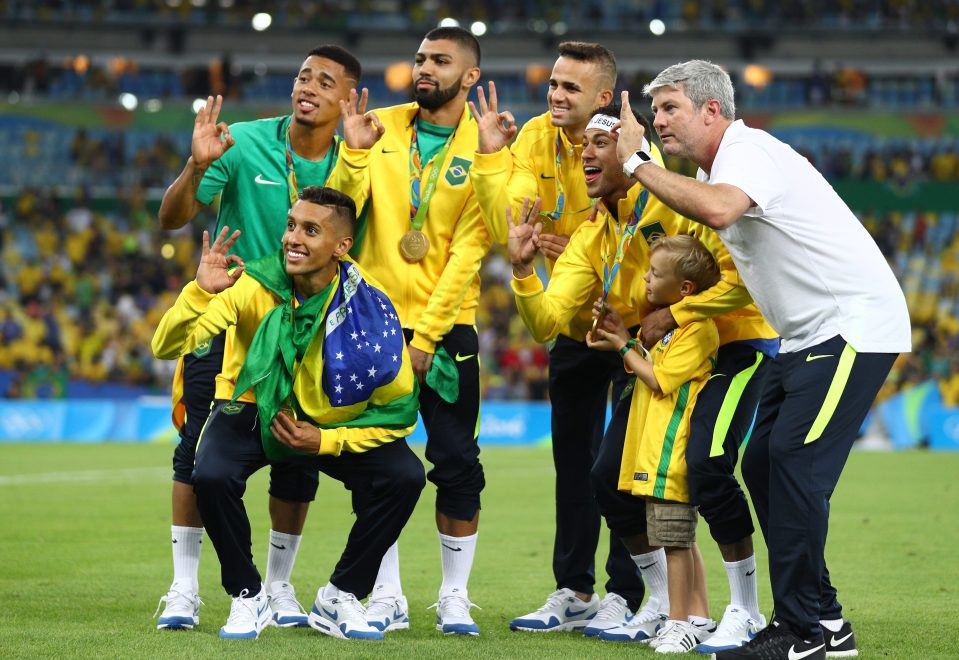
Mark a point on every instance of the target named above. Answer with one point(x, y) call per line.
point(186, 554)
point(456, 553)
point(279, 563)
point(832, 625)
point(652, 566)
point(742, 585)
point(388, 577)
point(701, 622)
point(329, 591)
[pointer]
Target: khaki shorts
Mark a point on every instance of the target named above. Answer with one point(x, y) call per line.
point(671, 524)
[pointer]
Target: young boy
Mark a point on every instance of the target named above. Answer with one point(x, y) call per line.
point(654, 464)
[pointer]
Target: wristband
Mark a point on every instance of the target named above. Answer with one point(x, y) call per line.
point(625, 348)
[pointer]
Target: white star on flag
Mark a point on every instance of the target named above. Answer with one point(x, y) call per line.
point(339, 355)
point(372, 372)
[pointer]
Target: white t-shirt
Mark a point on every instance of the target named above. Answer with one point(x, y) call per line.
point(812, 268)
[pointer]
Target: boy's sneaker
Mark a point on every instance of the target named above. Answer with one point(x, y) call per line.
point(182, 610)
point(248, 616)
point(642, 627)
point(676, 637)
point(341, 616)
point(612, 613)
point(287, 611)
point(841, 644)
point(736, 628)
point(453, 613)
point(774, 642)
point(562, 611)
point(386, 610)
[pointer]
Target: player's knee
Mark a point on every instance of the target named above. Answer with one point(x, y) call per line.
point(209, 477)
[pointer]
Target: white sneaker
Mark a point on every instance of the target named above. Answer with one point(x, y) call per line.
point(562, 611)
point(641, 627)
point(736, 628)
point(676, 637)
point(248, 616)
point(613, 613)
point(182, 610)
point(341, 616)
point(287, 611)
point(453, 613)
point(387, 610)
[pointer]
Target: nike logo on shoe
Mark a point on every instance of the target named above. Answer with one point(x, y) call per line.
point(811, 357)
point(570, 612)
point(331, 615)
point(462, 358)
point(266, 182)
point(833, 642)
point(451, 547)
point(643, 568)
point(278, 547)
point(796, 655)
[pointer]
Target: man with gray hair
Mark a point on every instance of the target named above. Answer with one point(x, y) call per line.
point(821, 282)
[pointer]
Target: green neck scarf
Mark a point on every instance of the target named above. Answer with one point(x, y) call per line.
point(280, 342)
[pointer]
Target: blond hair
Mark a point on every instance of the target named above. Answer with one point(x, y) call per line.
point(689, 259)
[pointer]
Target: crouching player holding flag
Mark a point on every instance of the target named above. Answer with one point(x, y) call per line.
point(318, 367)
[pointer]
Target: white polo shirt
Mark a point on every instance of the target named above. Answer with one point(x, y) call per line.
point(812, 268)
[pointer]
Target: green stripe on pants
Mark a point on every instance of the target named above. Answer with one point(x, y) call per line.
point(730, 403)
point(659, 488)
point(836, 387)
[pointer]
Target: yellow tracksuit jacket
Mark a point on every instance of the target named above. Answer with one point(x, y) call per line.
point(441, 290)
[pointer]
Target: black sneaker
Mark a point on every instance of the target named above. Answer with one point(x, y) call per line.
point(777, 642)
point(841, 644)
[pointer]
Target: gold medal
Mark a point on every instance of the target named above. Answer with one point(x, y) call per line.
point(287, 409)
point(414, 245)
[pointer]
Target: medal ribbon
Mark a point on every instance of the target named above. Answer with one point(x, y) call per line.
point(609, 273)
point(420, 204)
point(291, 173)
point(560, 188)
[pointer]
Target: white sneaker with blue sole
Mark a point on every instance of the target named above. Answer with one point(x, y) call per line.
point(613, 613)
point(248, 616)
point(341, 616)
point(641, 627)
point(386, 610)
point(287, 611)
point(735, 630)
point(182, 610)
point(453, 613)
point(563, 611)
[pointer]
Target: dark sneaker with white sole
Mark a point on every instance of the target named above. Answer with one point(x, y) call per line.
point(841, 644)
point(777, 641)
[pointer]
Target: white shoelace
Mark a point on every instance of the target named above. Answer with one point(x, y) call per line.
point(732, 622)
point(645, 615)
point(613, 608)
point(383, 605)
point(454, 607)
point(555, 600)
point(175, 598)
point(673, 633)
point(353, 608)
point(285, 600)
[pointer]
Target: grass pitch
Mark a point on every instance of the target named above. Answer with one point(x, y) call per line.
point(86, 555)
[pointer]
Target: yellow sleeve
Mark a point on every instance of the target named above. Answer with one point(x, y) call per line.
point(545, 311)
point(351, 175)
point(689, 357)
point(502, 179)
point(357, 440)
point(468, 247)
point(196, 317)
point(728, 295)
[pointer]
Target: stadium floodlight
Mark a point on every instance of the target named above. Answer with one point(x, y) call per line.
point(261, 21)
point(559, 28)
point(153, 105)
point(226, 4)
point(129, 101)
point(657, 27)
point(478, 28)
point(449, 22)
point(198, 105)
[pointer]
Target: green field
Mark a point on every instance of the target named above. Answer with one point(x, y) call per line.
point(85, 557)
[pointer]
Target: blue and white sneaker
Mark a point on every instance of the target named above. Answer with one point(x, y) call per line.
point(182, 610)
point(248, 616)
point(387, 610)
point(453, 613)
point(562, 611)
point(641, 627)
point(341, 616)
point(287, 611)
point(735, 630)
point(613, 613)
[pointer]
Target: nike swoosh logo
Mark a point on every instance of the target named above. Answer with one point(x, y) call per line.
point(795, 655)
point(570, 612)
point(463, 358)
point(836, 642)
point(390, 151)
point(811, 357)
point(278, 547)
point(331, 615)
point(643, 568)
point(748, 573)
point(259, 179)
point(543, 176)
point(452, 548)
point(174, 540)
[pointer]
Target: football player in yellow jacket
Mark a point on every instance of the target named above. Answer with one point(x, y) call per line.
point(316, 366)
point(545, 161)
point(422, 235)
point(612, 252)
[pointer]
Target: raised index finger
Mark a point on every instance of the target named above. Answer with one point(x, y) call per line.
point(625, 112)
